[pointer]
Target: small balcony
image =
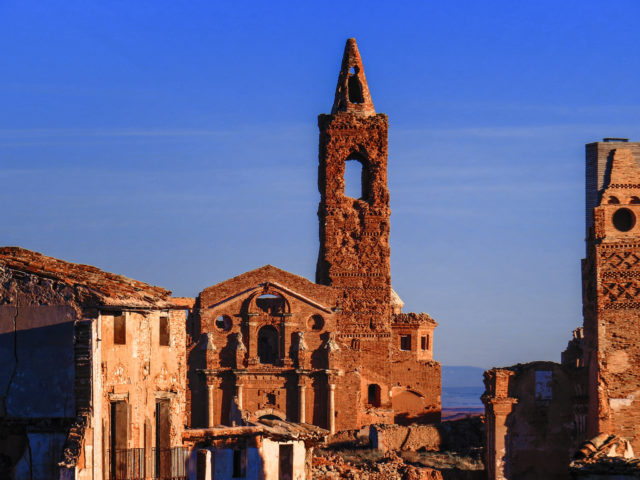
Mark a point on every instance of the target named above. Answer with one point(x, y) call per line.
point(152, 464)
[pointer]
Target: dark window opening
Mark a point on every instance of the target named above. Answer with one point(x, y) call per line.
point(271, 398)
point(373, 395)
point(624, 219)
point(239, 462)
point(119, 329)
point(270, 304)
point(316, 322)
point(164, 331)
point(355, 87)
point(634, 200)
point(405, 342)
point(424, 343)
point(268, 345)
point(285, 470)
point(613, 200)
point(223, 322)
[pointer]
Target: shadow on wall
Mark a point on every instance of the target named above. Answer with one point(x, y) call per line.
point(37, 358)
point(37, 368)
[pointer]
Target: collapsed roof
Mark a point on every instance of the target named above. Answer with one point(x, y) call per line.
point(90, 285)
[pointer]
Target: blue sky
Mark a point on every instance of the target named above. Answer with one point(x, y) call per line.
point(176, 143)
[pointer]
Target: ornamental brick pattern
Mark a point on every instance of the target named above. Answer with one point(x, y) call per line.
point(611, 284)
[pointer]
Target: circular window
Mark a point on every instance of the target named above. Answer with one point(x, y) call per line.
point(316, 323)
point(223, 322)
point(624, 219)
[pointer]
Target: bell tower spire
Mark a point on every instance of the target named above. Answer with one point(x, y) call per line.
point(354, 231)
point(352, 91)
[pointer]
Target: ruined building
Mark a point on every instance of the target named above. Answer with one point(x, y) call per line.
point(96, 376)
point(157, 378)
point(539, 414)
point(337, 353)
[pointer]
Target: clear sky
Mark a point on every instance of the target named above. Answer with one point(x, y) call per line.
point(176, 143)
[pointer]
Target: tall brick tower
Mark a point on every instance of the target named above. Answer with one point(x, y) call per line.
point(354, 232)
point(611, 288)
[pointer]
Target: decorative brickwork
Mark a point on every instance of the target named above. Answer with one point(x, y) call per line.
point(612, 297)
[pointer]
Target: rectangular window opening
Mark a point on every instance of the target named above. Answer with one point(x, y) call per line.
point(405, 342)
point(164, 331)
point(239, 462)
point(285, 470)
point(119, 329)
point(544, 385)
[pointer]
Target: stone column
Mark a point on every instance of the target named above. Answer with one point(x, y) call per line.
point(239, 395)
point(331, 408)
point(302, 403)
point(211, 406)
point(287, 327)
point(498, 405)
point(203, 468)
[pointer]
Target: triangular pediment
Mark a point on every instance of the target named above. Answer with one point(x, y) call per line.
point(272, 279)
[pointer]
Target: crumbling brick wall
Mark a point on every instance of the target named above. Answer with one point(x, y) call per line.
point(610, 294)
point(530, 421)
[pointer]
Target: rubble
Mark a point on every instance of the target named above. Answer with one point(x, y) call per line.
point(608, 455)
point(390, 466)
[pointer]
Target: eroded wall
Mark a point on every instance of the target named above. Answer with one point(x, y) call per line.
point(37, 402)
point(531, 430)
point(141, 372)
point(610, 294)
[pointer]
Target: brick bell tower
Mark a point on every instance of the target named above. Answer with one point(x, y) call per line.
point(354, 232)
point(611, 289)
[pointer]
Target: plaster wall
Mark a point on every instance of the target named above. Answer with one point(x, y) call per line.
point(142, 371)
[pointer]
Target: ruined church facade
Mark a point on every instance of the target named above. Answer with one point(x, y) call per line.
point(338, 353)
point(112, 378)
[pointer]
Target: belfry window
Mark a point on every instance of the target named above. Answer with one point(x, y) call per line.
point(354, 86)
point(268, 345)
point(355, 178)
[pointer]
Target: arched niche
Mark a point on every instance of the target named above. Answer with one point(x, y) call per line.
point(374, 394)
point(270, 414)
point(268, 345)
point(269, 303)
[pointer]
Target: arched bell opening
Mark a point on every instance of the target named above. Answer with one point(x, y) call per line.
point(356, 177)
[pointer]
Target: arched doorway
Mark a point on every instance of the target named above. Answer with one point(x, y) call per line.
point(268, 345)
point(373, 395)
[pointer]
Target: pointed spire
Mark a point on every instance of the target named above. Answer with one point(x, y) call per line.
point(352, 92)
